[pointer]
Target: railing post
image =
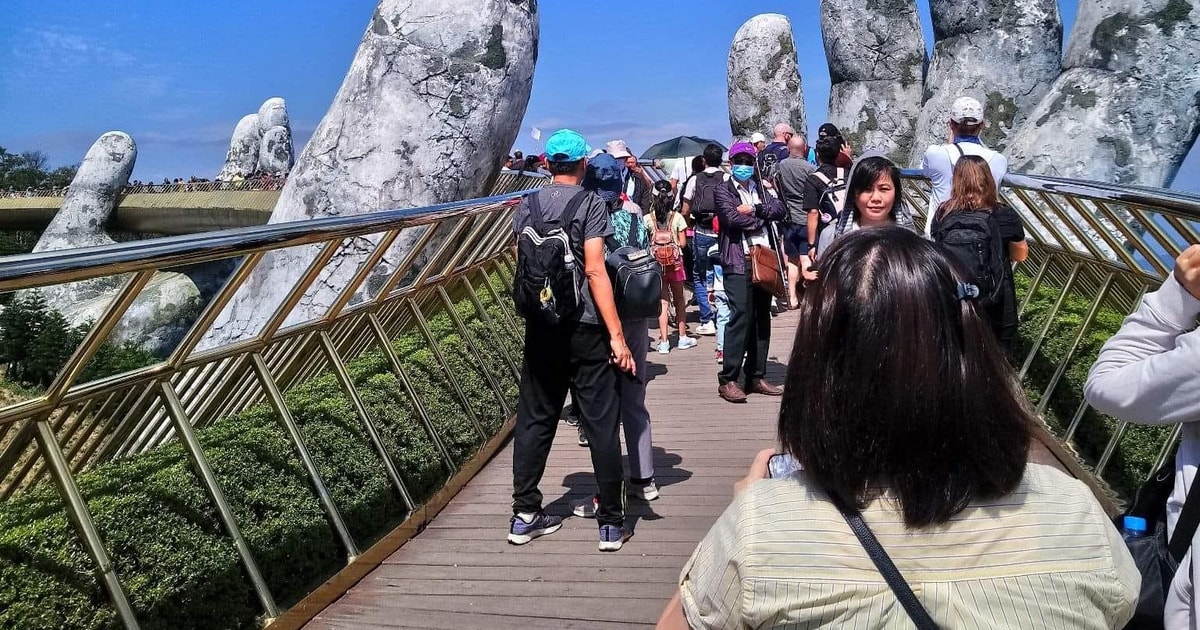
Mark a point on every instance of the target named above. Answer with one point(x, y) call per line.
point(1062, 297)
point(343, 376)
point(487, 284)
point(436, 348)
point(475, 350)
point(293, 430)
point(81, 516)
point(187, 436)
point(402, 375)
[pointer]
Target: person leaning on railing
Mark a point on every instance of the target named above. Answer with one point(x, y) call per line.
point(1147, 374)
point(899, 407)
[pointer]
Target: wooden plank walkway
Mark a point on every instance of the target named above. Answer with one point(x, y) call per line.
point(460, 573)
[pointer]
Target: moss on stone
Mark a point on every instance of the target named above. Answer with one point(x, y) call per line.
point(1074, 95)
point(493, 55)
point(908, 73)
point(1001, 112)
point(1175, 12)
point(1122, 150)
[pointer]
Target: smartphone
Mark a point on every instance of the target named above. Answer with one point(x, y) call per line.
point(781, 465)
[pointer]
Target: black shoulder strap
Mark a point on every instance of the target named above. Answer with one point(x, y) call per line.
point(535, 213)
point(568, 214)
point(632, 236)
point(1185, 527)
point(960, 151)
point(903, 592)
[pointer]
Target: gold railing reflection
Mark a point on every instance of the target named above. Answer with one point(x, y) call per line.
point(73, 426)
point(1095, 249)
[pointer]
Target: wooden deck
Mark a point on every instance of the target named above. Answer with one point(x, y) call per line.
point(461, 574)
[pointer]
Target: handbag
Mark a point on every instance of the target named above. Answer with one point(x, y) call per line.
point(764, 270)
point(904, 594)
point(1156, 557)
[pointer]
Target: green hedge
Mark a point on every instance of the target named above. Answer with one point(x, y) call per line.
point(1140, 445)
point(178, 566)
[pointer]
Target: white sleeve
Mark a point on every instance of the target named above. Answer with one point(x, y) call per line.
point(689, 189)
point(1146, 373)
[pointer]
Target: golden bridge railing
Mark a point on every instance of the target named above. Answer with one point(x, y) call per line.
point(1095, 249)
point(444, 260)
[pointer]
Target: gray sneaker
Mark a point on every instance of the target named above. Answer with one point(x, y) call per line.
point(612, 538)
point(585, 508)
point(645, 492)
point(583, 441)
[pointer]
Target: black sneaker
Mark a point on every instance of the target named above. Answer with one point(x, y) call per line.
point(583, 441)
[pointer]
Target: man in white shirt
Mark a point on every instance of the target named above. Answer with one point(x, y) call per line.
point(966, 122)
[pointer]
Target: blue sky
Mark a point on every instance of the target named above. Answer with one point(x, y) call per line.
point(178, 76)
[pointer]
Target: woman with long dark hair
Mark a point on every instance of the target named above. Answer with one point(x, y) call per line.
point(973, 195)
point(743, 210)
point(873, 199)
point(901, 415)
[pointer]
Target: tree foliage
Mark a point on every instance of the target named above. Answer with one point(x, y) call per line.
point(31, 169)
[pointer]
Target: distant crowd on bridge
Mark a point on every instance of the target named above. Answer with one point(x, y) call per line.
point(258, 181)
point(903, 332)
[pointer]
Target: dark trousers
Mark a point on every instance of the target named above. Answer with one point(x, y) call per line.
point(748, 333)
point(556, 356)
point(1003, 317)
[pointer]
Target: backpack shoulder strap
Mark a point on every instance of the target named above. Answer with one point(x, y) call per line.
point(824, 179)
point(631, 235)
point(535, 213)
point(841, 174)
point(961, 153)
point(572, 208)
point(1185, 527)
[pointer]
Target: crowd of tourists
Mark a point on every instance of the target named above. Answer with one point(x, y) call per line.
point(260, 180)
point(904, 432)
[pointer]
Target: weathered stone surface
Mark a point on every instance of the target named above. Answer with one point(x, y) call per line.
point(275, 155)
point(431, 104)
point(876, 55)
point(1127, 109)
point(273, 113)
point(1005, 53)
point(242, 157)
point(764, 78)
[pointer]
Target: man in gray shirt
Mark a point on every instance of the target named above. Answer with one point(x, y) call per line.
point(790, 176)
point(581, 350)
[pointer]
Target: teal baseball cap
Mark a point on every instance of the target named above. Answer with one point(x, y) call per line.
point(566, 145)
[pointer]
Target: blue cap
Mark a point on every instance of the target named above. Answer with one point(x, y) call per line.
point(1134, 523)
point(604, 177)
point(566, 145)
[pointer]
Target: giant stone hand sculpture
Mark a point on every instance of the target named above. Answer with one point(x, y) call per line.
point(432, 102)
point(764, 79)
point(261, 142)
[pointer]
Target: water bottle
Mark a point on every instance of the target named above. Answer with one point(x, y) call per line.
point(1133, 527)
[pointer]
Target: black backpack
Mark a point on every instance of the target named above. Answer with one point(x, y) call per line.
point(704, 198)
point(767, 161)
point(547, 278)
point(974, 239)
point(636, 275)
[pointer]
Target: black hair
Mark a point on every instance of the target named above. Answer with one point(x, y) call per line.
point(698, 164)
point(828, 149)
point(866, 173)
point(564, 168)
point(743, 159)
point(712, 154)
point(662, 201)
point(895, 383)
point(967, 129)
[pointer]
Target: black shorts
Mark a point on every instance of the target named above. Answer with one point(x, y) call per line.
point(795, 240)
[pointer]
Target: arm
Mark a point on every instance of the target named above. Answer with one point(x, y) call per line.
point(673, 618)
point(1146, 373)
point(772, 209)
point(606, 306)
point(1018, 252)
point(680, 229)
point(727, 211)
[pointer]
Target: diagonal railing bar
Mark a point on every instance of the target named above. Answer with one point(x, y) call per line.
point(444, 365)
point(486, 281)
point(354, 285)
point(1044, 402)
point(214, 308)
point(347, 383)
point(208, 479)
point(298, 291)
point(491, 325)
point(1049, 322)
point(476, 351)
point(1147, 223)
point(1036, 282)
point(1077, 232)
point(423, 416)
point(385, 291)
point(275, 396)
point(1131, 237)
point(81, 517)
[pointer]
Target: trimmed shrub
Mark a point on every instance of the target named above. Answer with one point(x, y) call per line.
point(174, 559)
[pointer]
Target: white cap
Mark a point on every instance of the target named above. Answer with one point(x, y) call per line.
point(966, 110)
point(757, 137)
point(617, 149)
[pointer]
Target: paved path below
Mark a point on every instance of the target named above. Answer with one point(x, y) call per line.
point(460, 574)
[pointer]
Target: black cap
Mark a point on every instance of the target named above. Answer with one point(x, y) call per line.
point(662, 186)
point(828, 129)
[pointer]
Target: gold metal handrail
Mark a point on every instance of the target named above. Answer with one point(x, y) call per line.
point(73, 426)
point(1098, 247)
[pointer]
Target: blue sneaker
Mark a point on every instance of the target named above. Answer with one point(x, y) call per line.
point(521, 531)
point(612, 537)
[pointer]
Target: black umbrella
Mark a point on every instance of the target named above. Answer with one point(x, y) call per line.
point(683, 146)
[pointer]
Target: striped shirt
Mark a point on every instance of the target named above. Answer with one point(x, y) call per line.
point(1045, 556)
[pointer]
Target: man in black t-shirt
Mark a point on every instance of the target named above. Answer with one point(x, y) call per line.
point(827, 172)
